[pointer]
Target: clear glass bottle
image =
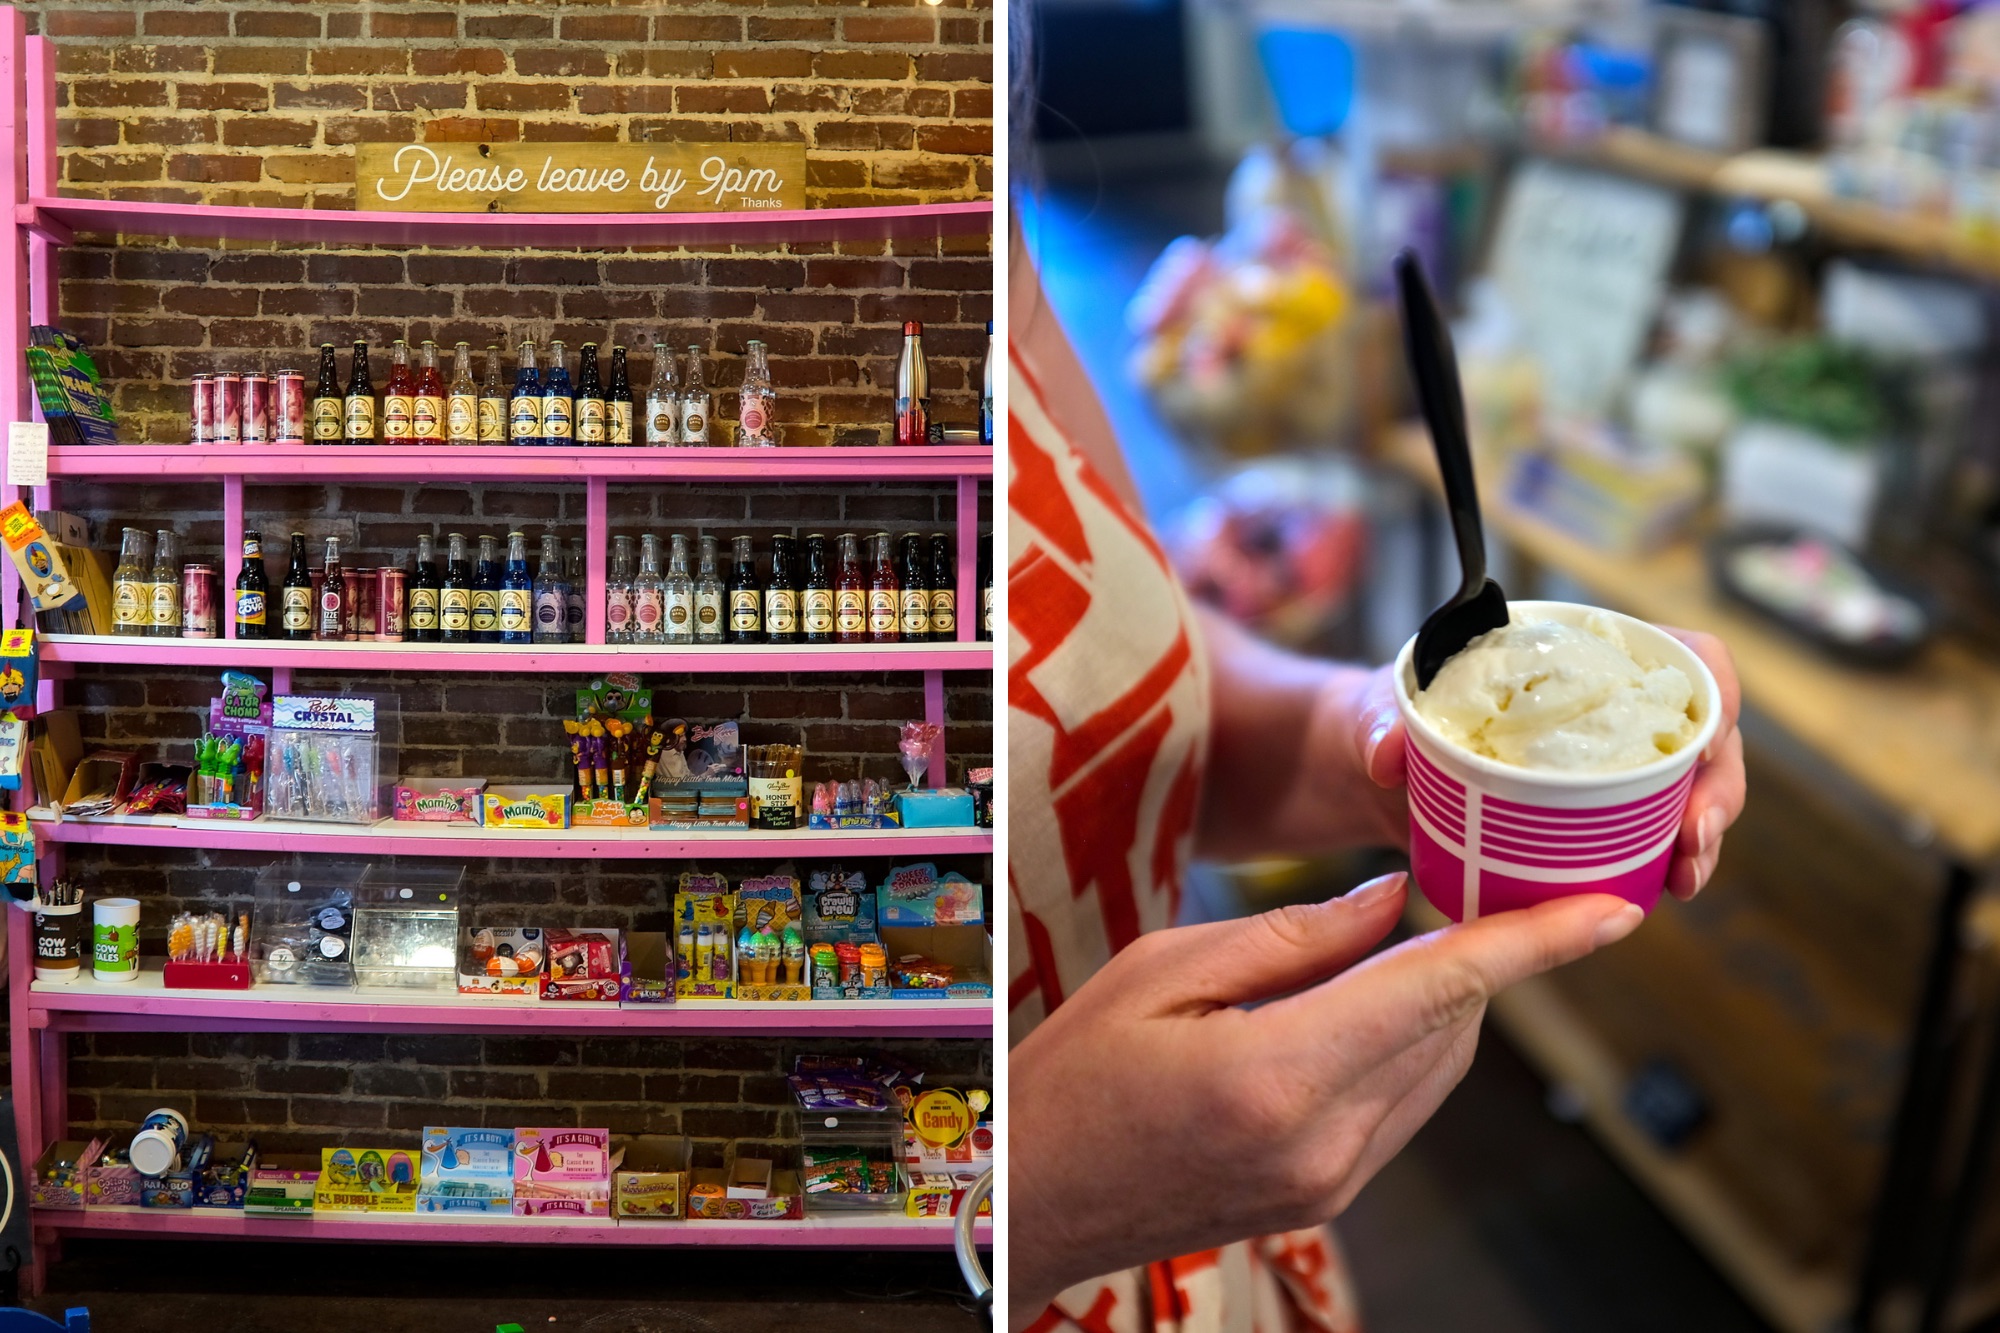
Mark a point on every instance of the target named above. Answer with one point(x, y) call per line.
point(649, 594)
point(455, 593)
point(757, 404)
point(884, 604)
point(709, 597)
point(427, 403)
point(663, 399)
point(558, 403)
point(678, 622)
point(850, 594)
point(576, 574)
point(399, 405)
point(695, 401)
point(524, 415)
point(618, 593)
point(132, 585)
point(164, 600)
point(461, 408)
point(551, 596)
point(486, 591)
point(492, 401)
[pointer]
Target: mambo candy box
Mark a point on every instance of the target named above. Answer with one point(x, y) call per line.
point(526, 807)
point(562, 1172)
point(442, 801)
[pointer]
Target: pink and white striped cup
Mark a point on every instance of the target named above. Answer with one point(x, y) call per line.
point(1489, 837)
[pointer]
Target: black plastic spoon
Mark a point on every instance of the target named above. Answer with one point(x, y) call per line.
point(1478, 605)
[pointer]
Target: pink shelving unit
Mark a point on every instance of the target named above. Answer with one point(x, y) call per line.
point(40, 222)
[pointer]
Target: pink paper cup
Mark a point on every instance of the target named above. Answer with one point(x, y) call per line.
point(1489, 837)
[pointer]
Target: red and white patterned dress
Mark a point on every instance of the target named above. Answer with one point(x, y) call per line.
point(1108, 716)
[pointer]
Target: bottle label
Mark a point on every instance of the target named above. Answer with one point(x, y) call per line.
point(708, 612)
point(427, 417)
point(551, 615)
point(819, 610)
point(526, 421)
point(944, 612)
point(617, 609)
point(461, 419)
point(556, 418)
point(360, 417)
point(881, 611)
point(298, 608)
point(680, 613)
point(397, 410)
point(648, 606)
point(132, 603)
point(167, 605)
point(492, 419)
point(850, 611)
point(424, 608)
point(573, 609)
point(752, 416)
point(745, 611)
point(916, 612)
point(456, 613)
point(621, 422)
point(664, 425)
point(485, 611)
point(781, 611)
point(249, 606)
point(694, 422)
point(590, 420)
point(332, 615)
point(986, 611)
point(326, 420)
point(517, 607)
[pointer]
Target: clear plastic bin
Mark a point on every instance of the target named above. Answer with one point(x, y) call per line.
point(406, 928)
point(873, 1139)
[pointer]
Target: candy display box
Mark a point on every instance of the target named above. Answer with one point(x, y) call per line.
point(109, 1178)
point(705, 952)
point(649, 959)
point(504, 960)
point(917, 895)
point(840, 910)
point(326, 762)
point(606, 813)
point(966, 950)
point(562, 1172)
point(57, 1180)
point(178, 1188)
point(466, 1171)
point(366, 1180)
point(751, 1190)
point(441, 800)
point(652, 1178)
point(281, 1185)
point(935, 807)
point(770, 945)
point(526, 807)
point(585, 965)
point(406, 927)
point(948, 1129)
point(940, 1193)
point(224, 1182)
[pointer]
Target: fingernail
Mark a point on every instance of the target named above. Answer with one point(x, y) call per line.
point(1708, 832)
point(1375, 890)
point(1377, 733)
point(1619, 924)
point(1704, 870)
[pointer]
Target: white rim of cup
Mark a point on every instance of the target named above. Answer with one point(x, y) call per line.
point(1678, 653)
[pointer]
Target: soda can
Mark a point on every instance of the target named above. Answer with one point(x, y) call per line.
point(201, 410)
point(200, 593)
point(318, 583)
point(228, 422)
point(391, 586)
point(350, 603)
point(290, 415)
point(258, 391)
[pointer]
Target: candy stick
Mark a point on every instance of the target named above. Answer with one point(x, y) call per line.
point(603, 762)
point(652, 766)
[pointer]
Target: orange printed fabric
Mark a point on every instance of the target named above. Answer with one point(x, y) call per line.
point(1294, 1283)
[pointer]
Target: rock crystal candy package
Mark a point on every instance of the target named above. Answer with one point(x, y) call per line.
point(325, 760)
point(562, 1172)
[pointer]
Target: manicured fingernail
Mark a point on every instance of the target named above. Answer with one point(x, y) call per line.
point(1704, 870)
point(1375, 890)
point(1708, 832)
point(1377, 733)
point(1619, 924)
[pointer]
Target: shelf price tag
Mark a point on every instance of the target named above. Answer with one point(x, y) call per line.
point(28, 453)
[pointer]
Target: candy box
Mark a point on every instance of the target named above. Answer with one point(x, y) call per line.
point(917, 895)
point(562, 1172)
point(178, 1188)
point(704, 970)
point(57, 1180)
point(466, 1171)
point(585, 965)
point(770, 943)
point(649, 957)
point(652, 1179)
point(503, 960)
point(110, 1180)
point(441, 800)
point(936, 807)
point(751, 1190)
point(281, 1185)
point(839, 910)
point(939, 962)
point(528, 807)
point(606, 813)
point(940, 1193)
point(366, 1180)
point(224, 1182)
point(948, 1129)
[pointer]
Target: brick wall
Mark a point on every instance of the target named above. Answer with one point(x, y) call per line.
point(260, 104)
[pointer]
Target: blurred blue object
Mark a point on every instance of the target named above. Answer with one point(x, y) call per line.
point(1311, 76)
point(75, 1320)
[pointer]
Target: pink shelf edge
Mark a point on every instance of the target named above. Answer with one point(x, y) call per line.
point(812, 1232)
point(259, 463)
point(569, 230)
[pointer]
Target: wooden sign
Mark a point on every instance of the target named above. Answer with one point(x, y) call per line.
point(579, 177)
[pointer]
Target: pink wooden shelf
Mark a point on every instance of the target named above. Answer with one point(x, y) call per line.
point(879, 1232)
point(578, 658)
point(145, 1005)
point(58, 218)
point(309, 463)
point(389, 838)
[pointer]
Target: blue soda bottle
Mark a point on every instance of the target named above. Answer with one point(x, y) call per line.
point(517, 593)
point(558, 403)
point(524, 408)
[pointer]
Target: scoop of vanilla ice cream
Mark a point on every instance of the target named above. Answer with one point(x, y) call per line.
point(1543, 694)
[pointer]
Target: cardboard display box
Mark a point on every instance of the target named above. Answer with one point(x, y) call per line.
point(57, 1178)
point(502, 960)
point(715, 1195)
point(366, 1180)
point(941, 1193)
point(585, 965)
point(652, 1179)
point(562, 1172)
point(967, 950)
point(281, 1185)
point(466, 1171)
point(649, 958)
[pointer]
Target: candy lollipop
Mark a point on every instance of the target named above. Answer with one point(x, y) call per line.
point(914, 749)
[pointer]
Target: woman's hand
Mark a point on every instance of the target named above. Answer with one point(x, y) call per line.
point(1153, 1117)
point(1377, 738)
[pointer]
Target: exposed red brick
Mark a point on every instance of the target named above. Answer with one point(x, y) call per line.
point(757, 63)
point(458, 60)
point(394, 24)
point(221, 96)
point(267, 131)
point(467, 129)
point(562, 62)
point(278, 23)
point(90, 23)
point(911, 28)
point(520, 97)
point(861, 65)
point(187, 22)
point(604, 28)
point(697, 28)
point(119, 92)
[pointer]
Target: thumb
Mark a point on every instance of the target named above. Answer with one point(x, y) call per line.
point(1227, 963)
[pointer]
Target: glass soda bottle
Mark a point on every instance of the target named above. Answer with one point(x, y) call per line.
point(618, 593)
point(360, 400)
point(914, 592)
point(618, 401)
point(695, 402)
point(678, 623)
point(492, 401)
point(781, 595)
point(816, 599)
point(326, 400)
point(576, 573)
point(427, 404)
point(330, 621)
point(709, 597)
point(551, 597)
point(590, 422)
point(423, 619)
point(253, 591)
point(746, 597)
point(517, 593)
point(295, 596)
point(944, 590)
point(132, 585)
point(524, 413)
point(649, 594)
point(663, 399)
point(558, 404)
point(486, 591)
point(756, 405)
point(884, 606)
point(399, 396)
point(850, 594)
point(164, 601)
point(461, 408)
point(455, 593)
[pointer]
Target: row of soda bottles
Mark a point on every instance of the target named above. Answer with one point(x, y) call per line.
point(543, 407)
point(908, 595)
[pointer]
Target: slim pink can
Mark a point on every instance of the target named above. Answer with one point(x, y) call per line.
point(227, 425)
point(258, 391)
point(201, 414)
point(290, 416)
point(391, 586)
point(200, 587)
